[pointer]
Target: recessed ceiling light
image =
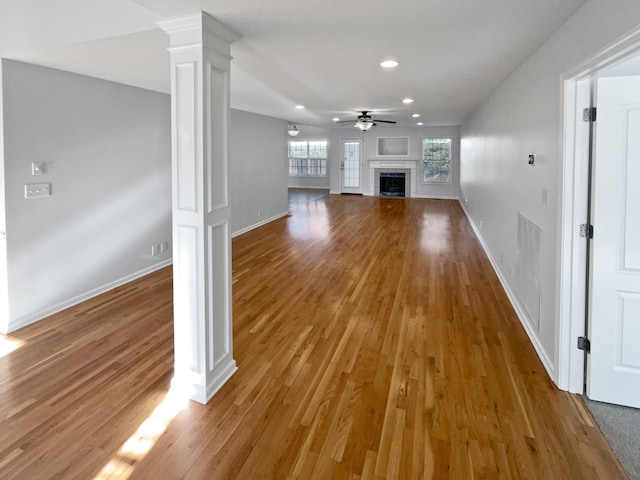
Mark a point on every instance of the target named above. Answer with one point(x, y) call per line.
point(389, 64)
point(415, 115)
point(335, 119)
point(300, 107)
point(407, 100)
point(419, 124)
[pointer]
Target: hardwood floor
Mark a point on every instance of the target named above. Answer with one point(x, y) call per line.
point(298, 196)
point(373, 341)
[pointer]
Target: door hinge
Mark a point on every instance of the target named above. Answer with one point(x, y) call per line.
point(586, 231)
point(589, 114)
point(584, 344)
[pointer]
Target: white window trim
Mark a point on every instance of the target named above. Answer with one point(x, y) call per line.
point(427, 182)
point(306, 160)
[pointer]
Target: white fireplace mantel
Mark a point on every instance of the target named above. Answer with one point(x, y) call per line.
point(390, 164)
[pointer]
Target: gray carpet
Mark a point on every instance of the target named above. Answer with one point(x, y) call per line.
point(621, 427)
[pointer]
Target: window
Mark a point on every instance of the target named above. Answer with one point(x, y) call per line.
point(436, 156)
point(308, 159)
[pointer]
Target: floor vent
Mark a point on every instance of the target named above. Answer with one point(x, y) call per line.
point(527, 278)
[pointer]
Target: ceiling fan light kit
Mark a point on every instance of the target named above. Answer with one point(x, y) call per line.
point(292, 130)
point(364, 121)
point(364, 126)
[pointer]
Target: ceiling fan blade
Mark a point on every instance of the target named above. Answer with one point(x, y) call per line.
point(384, 121)
point(344, 122)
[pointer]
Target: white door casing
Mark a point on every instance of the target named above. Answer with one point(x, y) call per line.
point(351, 166)
point(614, 325)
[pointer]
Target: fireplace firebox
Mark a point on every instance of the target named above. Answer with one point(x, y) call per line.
point(392, 184)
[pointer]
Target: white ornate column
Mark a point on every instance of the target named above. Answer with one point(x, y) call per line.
point(4, 279)
point(200, 61)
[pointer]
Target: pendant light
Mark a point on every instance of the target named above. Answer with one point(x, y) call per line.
point(292, 130)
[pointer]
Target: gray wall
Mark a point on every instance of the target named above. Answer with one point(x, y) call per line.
point(258, 169)
point(107, 153)
point(524, 116)
point(106, 148)
point(415, 134)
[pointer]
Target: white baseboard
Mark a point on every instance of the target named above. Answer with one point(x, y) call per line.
point(309, 188)
point(548, 365)
point(259, 224)
point(439, 197)
point(39, 315)
point(432, 197)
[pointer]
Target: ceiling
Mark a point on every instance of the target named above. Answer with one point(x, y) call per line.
point(324, 54)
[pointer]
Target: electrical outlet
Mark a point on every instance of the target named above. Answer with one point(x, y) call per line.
point(164, 246)
point(545, 197)
point(33, 190)
point(259, 212)
point(155, 249)
point(480, 224)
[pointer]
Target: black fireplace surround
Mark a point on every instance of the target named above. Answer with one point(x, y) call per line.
point(392, 184)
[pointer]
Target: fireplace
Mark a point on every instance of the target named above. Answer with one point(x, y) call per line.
point(407, 167)
point(392, 184)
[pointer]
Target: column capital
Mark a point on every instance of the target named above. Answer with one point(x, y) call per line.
point(189, 30)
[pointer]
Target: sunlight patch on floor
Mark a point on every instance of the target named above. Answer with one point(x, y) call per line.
point(8, 345)
point(122, 465)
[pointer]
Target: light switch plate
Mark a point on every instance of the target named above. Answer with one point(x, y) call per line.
point(33, 190)
point(37, 168)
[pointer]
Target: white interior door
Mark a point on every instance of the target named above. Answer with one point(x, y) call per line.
point(613, 373)
point(351, 166)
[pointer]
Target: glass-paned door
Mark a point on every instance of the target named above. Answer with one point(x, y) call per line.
point(351, 166)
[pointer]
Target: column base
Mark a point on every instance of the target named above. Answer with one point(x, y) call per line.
point(198, 393)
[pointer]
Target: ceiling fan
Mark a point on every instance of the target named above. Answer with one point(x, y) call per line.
point(364, 121)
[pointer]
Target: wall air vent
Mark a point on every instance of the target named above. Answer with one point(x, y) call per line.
point(527, 274)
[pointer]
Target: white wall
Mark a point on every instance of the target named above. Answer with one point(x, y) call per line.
point(523, 116)
point(258, 169)
point(106, 148)
point(309, 134)
point(415, 134)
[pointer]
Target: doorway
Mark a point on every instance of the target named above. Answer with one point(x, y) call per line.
point(600, 276)
point(351, 166)
point(613, 365)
